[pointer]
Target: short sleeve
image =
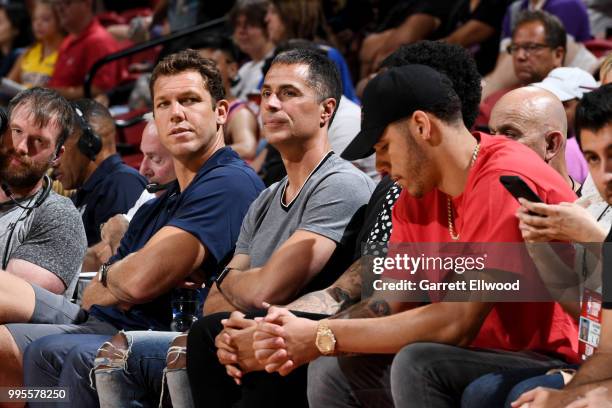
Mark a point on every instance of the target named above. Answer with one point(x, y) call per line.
point(213, 210)
point(478, 225)
point(56, 240)
point(255, 214)
point(334, 202)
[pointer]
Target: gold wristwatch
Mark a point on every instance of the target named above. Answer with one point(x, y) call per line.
point(326, 341)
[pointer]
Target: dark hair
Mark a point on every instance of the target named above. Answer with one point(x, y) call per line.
point(18, 15)
point(555, 31)
point(217, 42)
point(594, 111)
point(93, 110)
point(447, 109)
point(451, 60)
point(294, 44)
point(323, 75)
point(46, 105)
point(190, 60)
point(254, 12)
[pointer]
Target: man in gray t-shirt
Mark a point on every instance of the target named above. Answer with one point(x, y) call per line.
point(299, 233)
point(42, 239)
point(325, 205)
point(50, 236)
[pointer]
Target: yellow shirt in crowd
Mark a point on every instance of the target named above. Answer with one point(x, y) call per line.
point(36, 71)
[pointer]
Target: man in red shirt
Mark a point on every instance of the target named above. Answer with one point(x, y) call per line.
point(451, 193)
point(87, 42)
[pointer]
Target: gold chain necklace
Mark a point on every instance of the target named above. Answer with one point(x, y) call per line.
point(449, 206)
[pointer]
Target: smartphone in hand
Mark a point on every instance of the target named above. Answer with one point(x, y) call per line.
point(519, 189)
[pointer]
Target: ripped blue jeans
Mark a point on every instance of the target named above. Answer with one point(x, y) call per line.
point(135, 378)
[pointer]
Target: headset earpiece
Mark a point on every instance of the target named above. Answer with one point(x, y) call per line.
point(56, 154)
point(90, 144)
point(3, 121)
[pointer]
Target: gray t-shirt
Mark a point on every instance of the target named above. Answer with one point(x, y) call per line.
point(330, 204)
point(50, 236)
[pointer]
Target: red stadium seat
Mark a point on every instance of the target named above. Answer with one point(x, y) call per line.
point(599, 48)
point(129, 134)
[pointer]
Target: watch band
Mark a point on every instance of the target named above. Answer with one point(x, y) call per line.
point(103, 273)
point(222, 276)
point(325, 340)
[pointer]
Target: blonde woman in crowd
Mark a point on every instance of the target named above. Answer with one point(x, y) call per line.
point(35, 66)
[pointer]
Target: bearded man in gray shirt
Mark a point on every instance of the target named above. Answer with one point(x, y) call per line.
point(42, 239)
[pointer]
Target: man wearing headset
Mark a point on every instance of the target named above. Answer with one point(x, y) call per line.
point(105, 185)
point(42, 239)
point(158, 168)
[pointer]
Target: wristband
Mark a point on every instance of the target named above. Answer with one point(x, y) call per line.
point(222, 276)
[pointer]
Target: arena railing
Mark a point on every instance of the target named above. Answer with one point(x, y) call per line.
point(209, 25)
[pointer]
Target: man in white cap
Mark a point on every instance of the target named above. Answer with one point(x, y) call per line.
point(569, 85)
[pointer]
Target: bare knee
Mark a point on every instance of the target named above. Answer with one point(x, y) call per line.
point(176, 358)
point(113, 353)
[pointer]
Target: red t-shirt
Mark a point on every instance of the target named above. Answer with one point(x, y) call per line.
point(485, 212)
point(78, 53)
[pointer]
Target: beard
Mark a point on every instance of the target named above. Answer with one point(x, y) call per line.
point(416, 167)
point(23, 175)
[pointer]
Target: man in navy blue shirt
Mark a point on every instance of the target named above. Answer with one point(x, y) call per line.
point(105, 185)
point(180, 237)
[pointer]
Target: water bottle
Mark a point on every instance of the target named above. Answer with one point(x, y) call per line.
point(185, 309)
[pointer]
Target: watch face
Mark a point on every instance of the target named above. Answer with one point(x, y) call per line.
point(326, 343)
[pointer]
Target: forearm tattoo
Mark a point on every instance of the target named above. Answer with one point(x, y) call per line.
point(365, 309)
point(345, 292)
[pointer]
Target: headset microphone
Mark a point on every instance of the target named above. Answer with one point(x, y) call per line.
point(156, 187)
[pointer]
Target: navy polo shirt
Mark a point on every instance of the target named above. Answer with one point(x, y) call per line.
point(113, 188)
point(211, 208)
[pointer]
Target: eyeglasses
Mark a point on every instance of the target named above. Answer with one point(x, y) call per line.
point(529, 48)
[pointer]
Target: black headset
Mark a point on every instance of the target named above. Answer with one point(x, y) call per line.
point(90, 144)
point(3, 121)
point(153, 188)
